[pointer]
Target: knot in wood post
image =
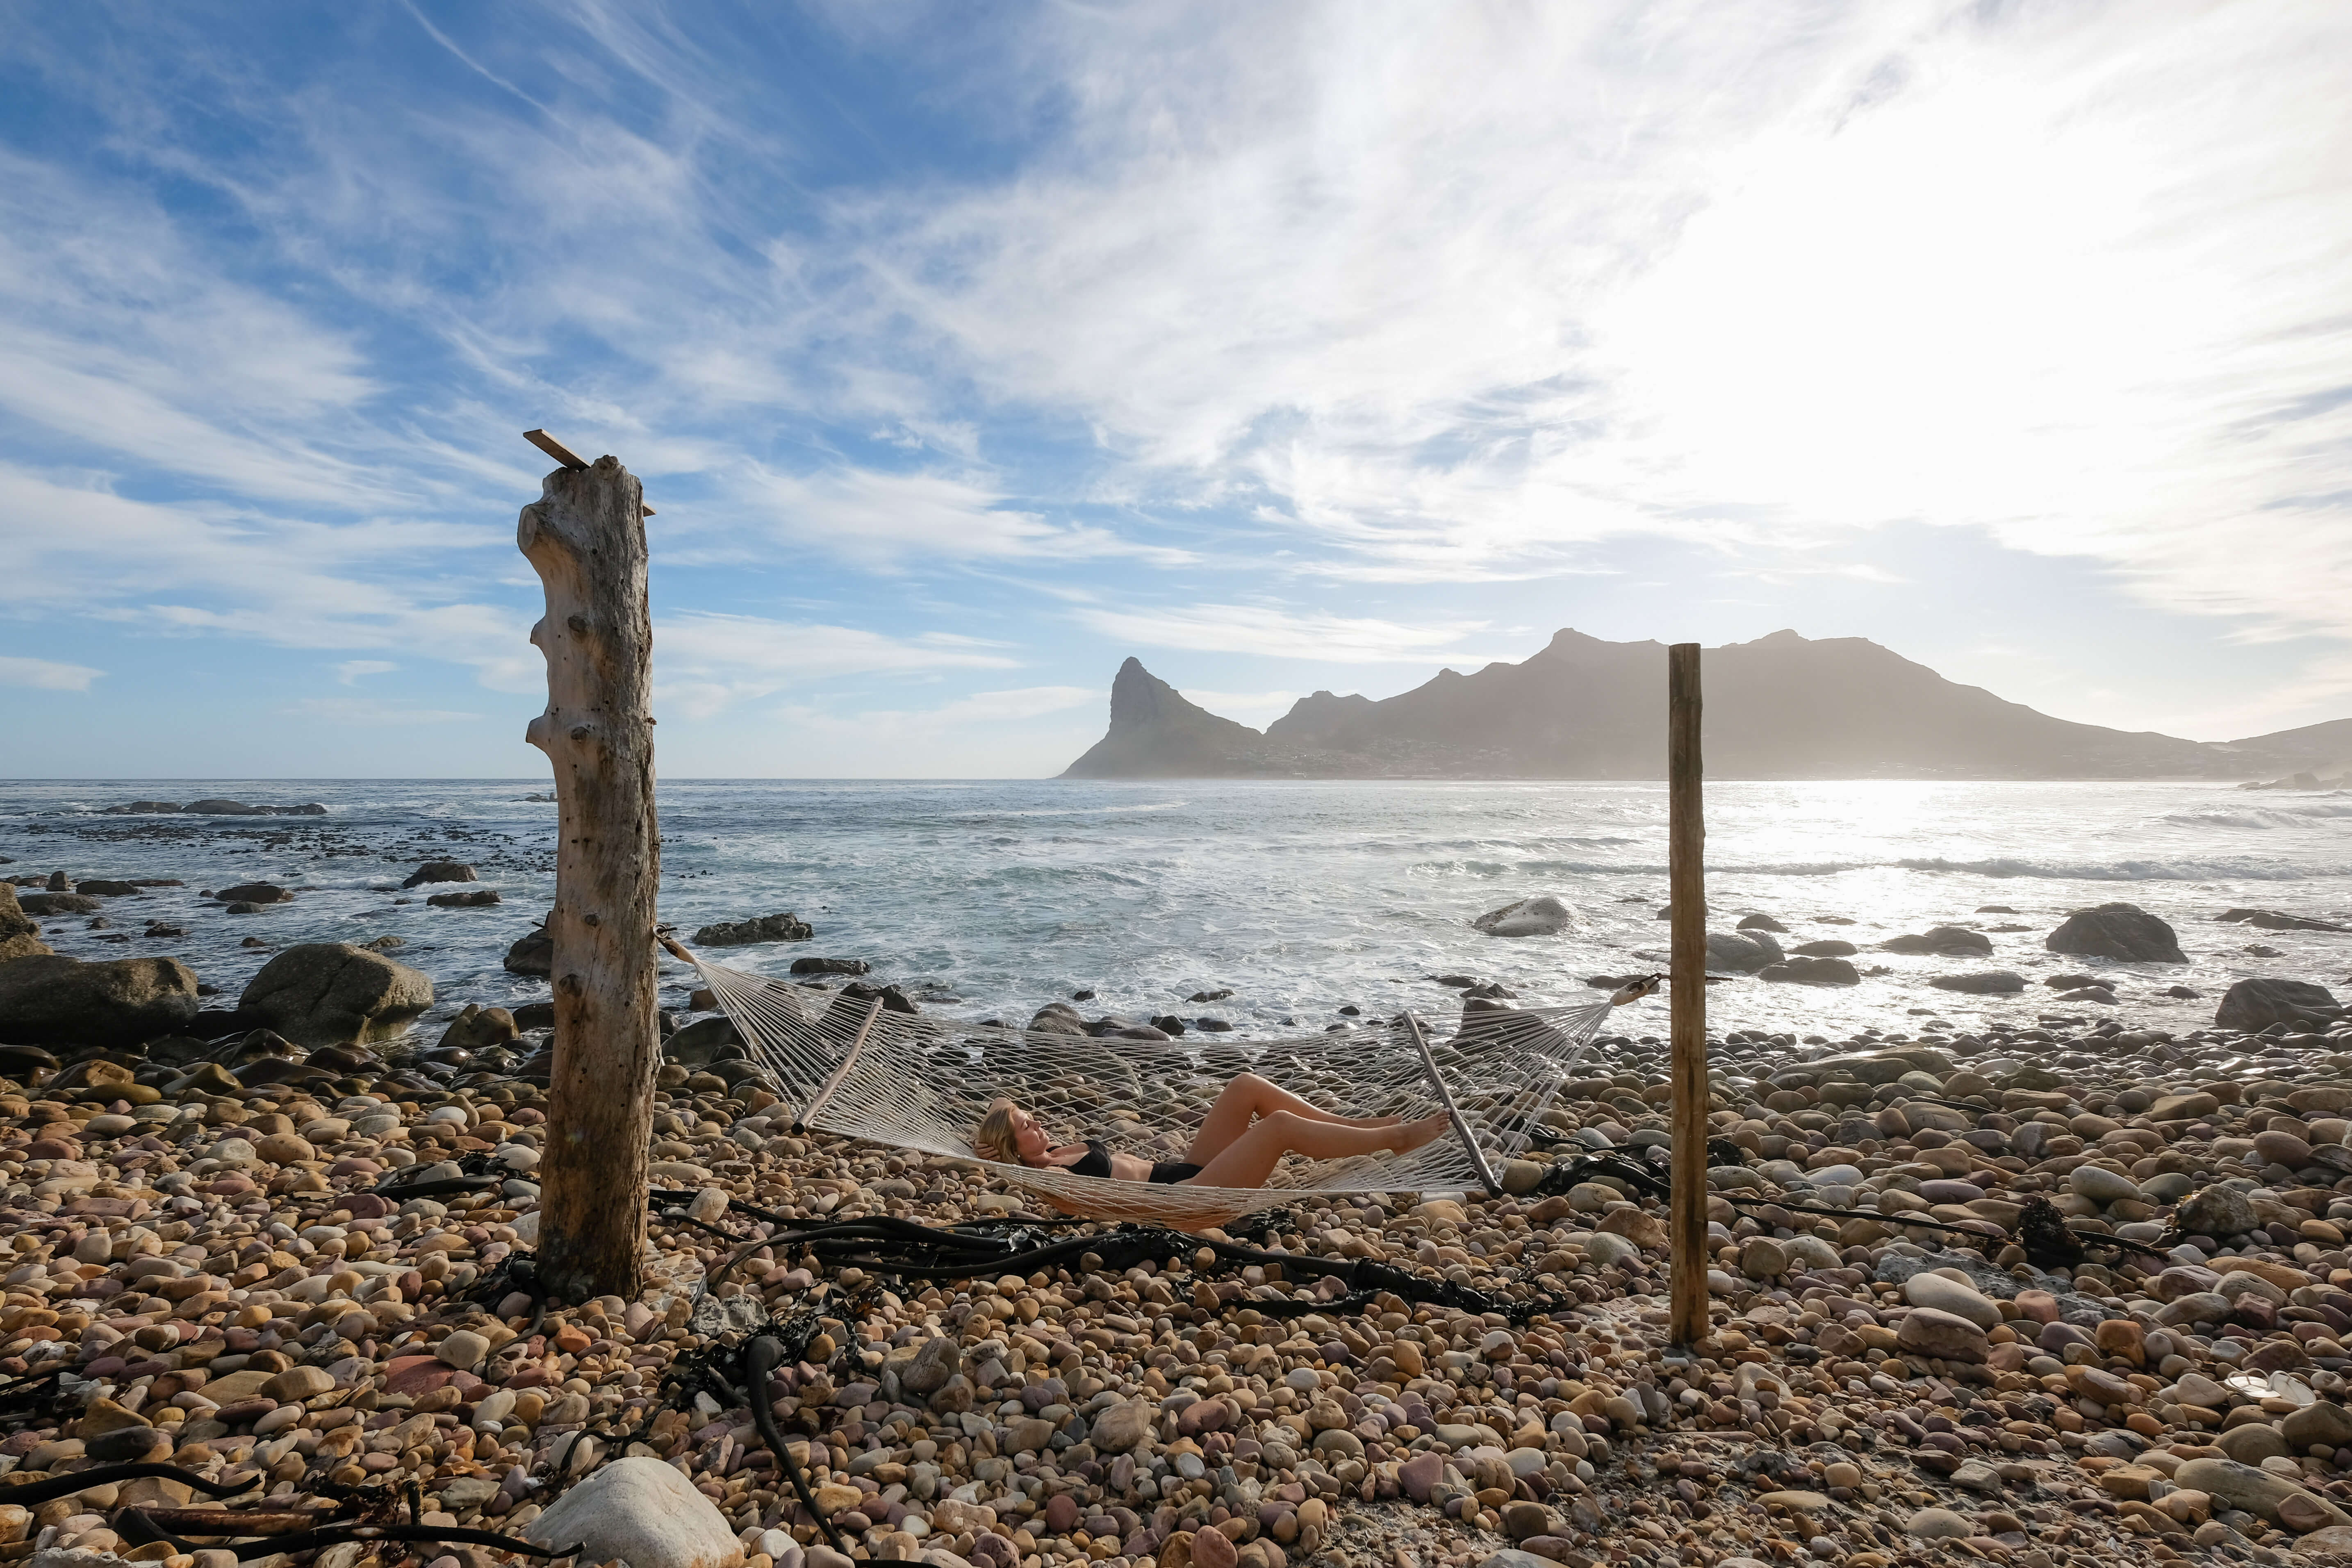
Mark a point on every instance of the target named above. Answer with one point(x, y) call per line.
point(585, 537)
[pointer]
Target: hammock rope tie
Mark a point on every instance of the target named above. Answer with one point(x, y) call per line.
point(849, 1066)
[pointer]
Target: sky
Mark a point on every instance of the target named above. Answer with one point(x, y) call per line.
point(966, 350)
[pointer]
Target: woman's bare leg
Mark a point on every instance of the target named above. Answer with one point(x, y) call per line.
point(1249, 1097)
point(1252, 1157)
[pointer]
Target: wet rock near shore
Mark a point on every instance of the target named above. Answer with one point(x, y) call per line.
point(1742, 953)
point(1949, 940)
point(19, 936)
point(1540, 916)
point(1806, 970)
point(785, 927)
point(328, 994)
point(2123, 932)
point(49, 999)
point(2255, 1005)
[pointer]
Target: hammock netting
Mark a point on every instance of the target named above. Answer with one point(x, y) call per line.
point(847, 1065)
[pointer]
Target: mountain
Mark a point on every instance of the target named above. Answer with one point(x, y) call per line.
point(2324, 747)
point(1783, 706)
point(1156, 735)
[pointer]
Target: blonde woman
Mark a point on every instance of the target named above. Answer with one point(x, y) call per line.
point(1254, 1123)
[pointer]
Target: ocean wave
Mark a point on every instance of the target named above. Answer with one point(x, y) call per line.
point(1714, 868)
point(2262, 818)
point(2127, 870)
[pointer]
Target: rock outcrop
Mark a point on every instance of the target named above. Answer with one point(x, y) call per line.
point(785, 927)
point(2124, 931)
point(1540, 916)
point(332, 994)
point(1741, 952)
point(19, 936)
point(2252, 1004)
point(51, 999)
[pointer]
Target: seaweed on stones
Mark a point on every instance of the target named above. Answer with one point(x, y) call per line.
point(2045, 1235)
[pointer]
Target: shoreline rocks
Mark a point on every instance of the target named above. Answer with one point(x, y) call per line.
point(333, 994)
point(785, 927)
point(1540, 916)
point(2122, 932)
point(49, 998)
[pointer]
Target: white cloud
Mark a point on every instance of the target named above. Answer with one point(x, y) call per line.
point(887, 519)
point(1011, 706)
point(1330, 292)
point(371, 710)
point(46, 675)
point(1459, 292)
point(1276, 633)
point(704, 662)
point(351, 669)
point(292, 583)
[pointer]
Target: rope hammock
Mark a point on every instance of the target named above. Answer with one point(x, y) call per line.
point(920, 1083)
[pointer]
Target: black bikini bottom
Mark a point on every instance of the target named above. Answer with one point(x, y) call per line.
point(1167, 1173)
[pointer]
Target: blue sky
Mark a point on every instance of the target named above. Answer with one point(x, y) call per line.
point(966, 350)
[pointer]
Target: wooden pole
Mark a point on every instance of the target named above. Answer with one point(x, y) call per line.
point(585, 537)
point(1686, 893)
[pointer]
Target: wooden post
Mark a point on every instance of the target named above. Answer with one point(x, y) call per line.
point(1687, 893)
point(585, 537)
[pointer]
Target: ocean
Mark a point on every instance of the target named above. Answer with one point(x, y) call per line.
point(987, 899)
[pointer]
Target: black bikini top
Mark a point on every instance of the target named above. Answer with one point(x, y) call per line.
point(1096, 1162)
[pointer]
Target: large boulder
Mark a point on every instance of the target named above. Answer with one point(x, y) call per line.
point(1741, 952)
point(2251, 1004)
point(1802, 970)
point(50, 999)
point(2260, 1492)
point(1058, 1018)
point(698, 1044)
point(785, 927)
point(19, 937)
point(831, 966)
point(2123, 932)
point(50, 905)
point(439, 871)
point(1540, 916)
point(1941, 939)
point(1983, 982)
point(2273, 920)
point(532, 953)
point(332, 994)
point(643, 1513)
point(238, 808)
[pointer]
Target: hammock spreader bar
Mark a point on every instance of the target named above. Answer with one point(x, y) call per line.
point(825, 1096)
point(1446, 1098)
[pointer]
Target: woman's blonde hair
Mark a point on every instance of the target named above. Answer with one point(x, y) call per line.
point(993, 1139)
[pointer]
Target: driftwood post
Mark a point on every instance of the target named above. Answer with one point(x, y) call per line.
point(585, 537)
point(1686, 893)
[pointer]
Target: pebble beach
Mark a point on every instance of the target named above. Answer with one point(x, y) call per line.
point(213, 1264)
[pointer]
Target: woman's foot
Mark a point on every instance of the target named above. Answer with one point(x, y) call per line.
point(1412, 1135)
